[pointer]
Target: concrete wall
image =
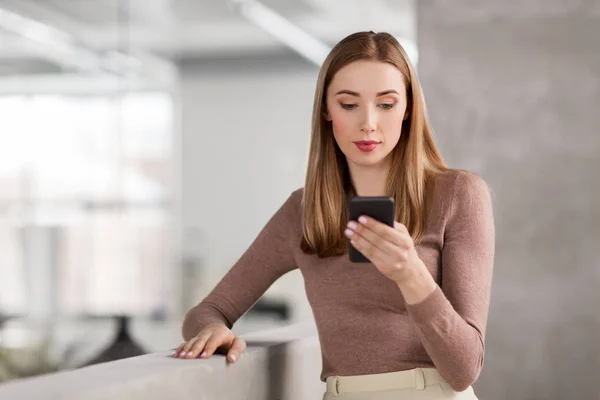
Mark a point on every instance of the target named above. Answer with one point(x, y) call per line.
point(513, 89)
point(278, 364)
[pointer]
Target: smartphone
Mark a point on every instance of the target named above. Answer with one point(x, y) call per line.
point(380, 208)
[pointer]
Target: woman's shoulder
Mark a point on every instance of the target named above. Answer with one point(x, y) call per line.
point(457, 182)
point(298, 193)
point(293, 204)
point(460, 189)
point(296, 198)
point(288, 213)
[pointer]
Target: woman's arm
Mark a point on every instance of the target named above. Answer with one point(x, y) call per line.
point(268, 258)
point(451, 320)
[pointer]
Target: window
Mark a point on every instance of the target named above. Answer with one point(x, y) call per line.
point(85, 198)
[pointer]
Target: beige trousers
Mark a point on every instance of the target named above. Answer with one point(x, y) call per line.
point(414, 384)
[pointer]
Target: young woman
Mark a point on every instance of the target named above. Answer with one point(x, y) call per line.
point(411, 324)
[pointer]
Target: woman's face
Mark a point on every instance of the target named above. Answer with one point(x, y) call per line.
point(366, 104)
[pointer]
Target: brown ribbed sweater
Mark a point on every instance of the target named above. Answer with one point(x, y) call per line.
point(364, 324)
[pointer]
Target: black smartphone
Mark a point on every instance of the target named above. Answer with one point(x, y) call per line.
point(379, 208)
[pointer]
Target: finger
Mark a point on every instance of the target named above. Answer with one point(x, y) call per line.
point(394, 248)
point(178, 350)
point(385, 231)
point(192, 343)
point(400, 227)
point(398, 235)
point(212, 345)
point(373, 254)
point(196, 345)
point(187, 346)
point(367, 248)
point(237, 348)
point(371, 236)
point(199, 346)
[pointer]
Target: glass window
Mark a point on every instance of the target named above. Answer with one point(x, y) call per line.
point(85, 192)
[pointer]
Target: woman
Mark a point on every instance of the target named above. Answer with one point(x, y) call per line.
point(411, 324)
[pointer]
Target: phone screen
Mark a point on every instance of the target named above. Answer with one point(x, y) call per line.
point(379, 208)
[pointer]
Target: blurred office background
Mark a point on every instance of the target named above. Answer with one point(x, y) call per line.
point(143, 145)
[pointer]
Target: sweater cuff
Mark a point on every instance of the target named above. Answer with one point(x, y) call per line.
point(434, 304)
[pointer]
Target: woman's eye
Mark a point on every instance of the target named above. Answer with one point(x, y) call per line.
point(384, 106)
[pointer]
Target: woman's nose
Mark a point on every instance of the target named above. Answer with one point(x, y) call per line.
point(368, 122)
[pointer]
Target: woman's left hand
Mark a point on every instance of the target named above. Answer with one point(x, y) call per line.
point(391, 250)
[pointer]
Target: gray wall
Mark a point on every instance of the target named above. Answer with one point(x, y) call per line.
point(245, 130)
point(513, 90)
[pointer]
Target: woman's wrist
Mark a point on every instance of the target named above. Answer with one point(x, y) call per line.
point(418, 285)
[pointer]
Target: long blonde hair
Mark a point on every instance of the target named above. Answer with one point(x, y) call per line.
point(415, 159)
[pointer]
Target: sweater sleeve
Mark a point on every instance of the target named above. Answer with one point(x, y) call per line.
point(451, 321)
point(269, 257)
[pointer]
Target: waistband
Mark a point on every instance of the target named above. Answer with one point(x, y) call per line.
point(416, 378)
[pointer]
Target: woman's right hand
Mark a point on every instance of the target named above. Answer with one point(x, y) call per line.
point(210, 339)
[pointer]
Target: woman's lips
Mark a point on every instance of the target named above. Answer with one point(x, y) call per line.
point(366, 145)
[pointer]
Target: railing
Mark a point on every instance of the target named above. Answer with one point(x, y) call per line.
point(282, 363)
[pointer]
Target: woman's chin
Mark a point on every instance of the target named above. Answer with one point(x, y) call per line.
point(367, 160)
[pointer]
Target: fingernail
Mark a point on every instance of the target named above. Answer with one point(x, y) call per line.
point(352, 225)
point(203, 354)
point(348, 232)
point(362, 220)
point(232, 357)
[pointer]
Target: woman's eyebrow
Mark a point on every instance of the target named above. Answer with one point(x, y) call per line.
point(350, 92)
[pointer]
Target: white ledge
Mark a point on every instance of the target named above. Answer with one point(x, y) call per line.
point(282, 363)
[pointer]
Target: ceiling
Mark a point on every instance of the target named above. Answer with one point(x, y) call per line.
point(156, 32)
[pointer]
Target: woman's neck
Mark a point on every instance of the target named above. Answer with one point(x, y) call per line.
point(369, 180)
